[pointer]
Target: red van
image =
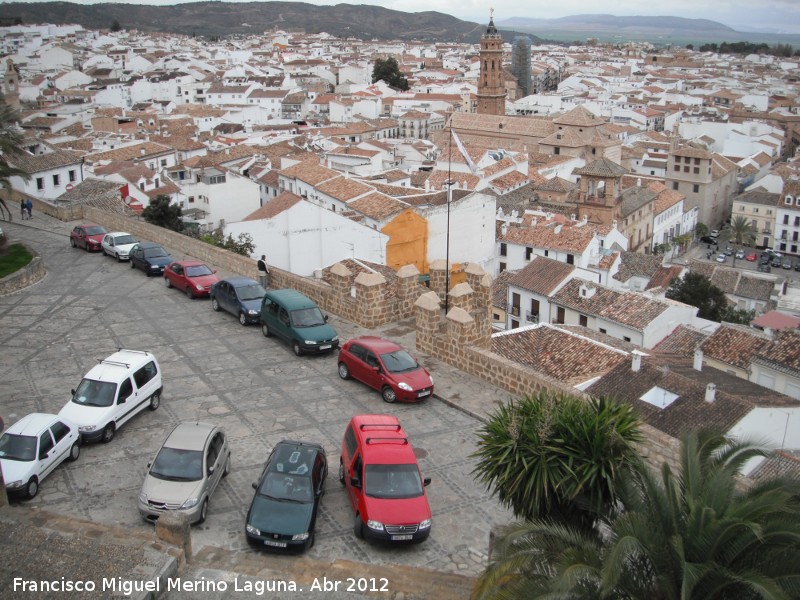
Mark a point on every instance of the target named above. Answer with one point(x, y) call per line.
point(379, 469)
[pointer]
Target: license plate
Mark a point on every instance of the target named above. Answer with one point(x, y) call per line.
point(402, 537)
point(275, 544)
point(325, 347)
point(422, 394)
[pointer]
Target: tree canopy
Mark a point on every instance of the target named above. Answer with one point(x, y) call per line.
point(389, 71)
point(163, 213)
point(697, 290)
point(11, 140)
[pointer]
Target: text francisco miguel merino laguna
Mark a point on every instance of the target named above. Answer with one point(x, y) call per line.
point(127, 587)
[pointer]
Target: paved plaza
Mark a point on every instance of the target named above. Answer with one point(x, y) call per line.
point(215, 370)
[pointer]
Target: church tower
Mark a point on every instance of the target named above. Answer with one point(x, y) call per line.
point(491, 89)
point(11, 85)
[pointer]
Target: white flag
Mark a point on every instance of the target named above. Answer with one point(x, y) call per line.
point(463, 151)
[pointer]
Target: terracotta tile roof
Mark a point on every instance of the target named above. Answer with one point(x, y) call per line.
point(666, 199)
point(500, 289)
point(759, 196)
point(134, 152)
point(310, 172)
point(566, 138)
point(776, 321)
point(579, 117)
point(542, 275)
point(568, 238)
point(556, 184)
point(735, 345)
point(682, 342)
point(663, 277)
point(601, 167)
point(778, 464)
point(343, 188)
point(280, 203)
point(377, 206)
point(783, 353)
point(692, 152)
point(563, 355)
point(525, 126)
point(98, 193)
point(43, 162)
point(631, 309)
point(509, 180)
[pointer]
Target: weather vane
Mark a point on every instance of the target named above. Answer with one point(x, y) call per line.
point(491, 14)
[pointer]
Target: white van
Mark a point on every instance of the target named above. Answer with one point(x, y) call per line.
point(112, 392)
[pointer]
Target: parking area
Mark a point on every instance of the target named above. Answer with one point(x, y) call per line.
point(218, 371)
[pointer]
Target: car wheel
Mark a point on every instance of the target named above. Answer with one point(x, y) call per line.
point(72, 243)
point(75, 451)
point(214, 305)
point(265, 330)
point(242, 319)
point(388, 394)
point(358, 527)
point(203, 511)
point(341, 472)
point(167, 282)
point(189, 293)
point(120, 260)
point(133, 266)
point(344, 372)
point(227, 466)
point(32, 488)
point(155, 401)
point(108, 433)
point(298, 351)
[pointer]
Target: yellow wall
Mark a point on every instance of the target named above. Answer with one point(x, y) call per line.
point(408, 241)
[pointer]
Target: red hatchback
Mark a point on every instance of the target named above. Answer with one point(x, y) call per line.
point(385, 366)
point(87, 236)
point(190, 276)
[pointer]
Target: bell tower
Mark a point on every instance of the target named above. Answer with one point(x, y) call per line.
point(491, 91)
point(11, 85)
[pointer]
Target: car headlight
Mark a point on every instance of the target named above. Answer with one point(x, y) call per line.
point(252, 530)
point(431, 378)
point(376, 525)
point(425, 524)
point(404, 386)
point(190, 503)
point(252, 312)
point(335, 338)
point(199, 287)
point(12, 485)
point(142, 497)
point(299, 537)
point(310, 342)
point(87, 427)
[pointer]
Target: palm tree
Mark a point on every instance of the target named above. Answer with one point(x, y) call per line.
point(740, 231)
point(10, 144)
point(556, 454)
point(690, 536)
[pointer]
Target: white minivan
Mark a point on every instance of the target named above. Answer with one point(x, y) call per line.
point(112, 392)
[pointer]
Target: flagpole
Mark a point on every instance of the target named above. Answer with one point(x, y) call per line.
point(449, 197)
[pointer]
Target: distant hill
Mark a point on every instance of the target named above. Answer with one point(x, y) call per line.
point(247, 18)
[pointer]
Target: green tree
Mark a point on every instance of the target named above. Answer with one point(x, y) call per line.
point(389, 71)
point(701, 229)
point(115, 26)
point(553, 454)
point(662, 249)
point(11, 141)
point(163, 213)
point(697, 290)
point(740, 230)
point(692, 535)
point(243, 244)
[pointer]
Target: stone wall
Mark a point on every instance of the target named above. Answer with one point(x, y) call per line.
point(28, 275)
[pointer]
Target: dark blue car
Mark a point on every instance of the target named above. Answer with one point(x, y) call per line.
point(150, 258)
point(239, 296)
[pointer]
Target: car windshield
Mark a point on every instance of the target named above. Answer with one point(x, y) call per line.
point(251, 292)
point(154, 252)
point(198, 271)
point(124, 239)
point(95, 230)
point(95, 393)
point(307, 317)
point(173, 464)
point(284, 486)
point(392, 481)
point(18, 447)
point(398, 361)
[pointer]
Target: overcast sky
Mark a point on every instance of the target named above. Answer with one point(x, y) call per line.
point(743, 15)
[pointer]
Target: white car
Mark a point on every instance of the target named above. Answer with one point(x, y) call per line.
point(32, 447)
point(112, 392)
point(118, 244)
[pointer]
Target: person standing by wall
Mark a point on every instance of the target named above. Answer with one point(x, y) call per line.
point(263, 271)
point(29, 206)
point(22, 209)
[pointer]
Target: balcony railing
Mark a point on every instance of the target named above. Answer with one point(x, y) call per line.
point(515, 311)
point(531, 317)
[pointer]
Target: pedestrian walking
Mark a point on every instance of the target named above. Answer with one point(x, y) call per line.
point(29, 206)
point(263, 271)
point(22, 209)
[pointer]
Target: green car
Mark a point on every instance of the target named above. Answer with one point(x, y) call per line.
point(290, 315)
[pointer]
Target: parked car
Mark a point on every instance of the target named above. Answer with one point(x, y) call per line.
point(707, 239)
point(379, 470)
point(295, 318)
point(191, 276)
point(118, 244)
point(88, 236)
point(283, 512)
point(185, 472)
point(150, 258)
point(739, 254)
point(33, 447)
point(797, 266)
point(751, 257)
point(239, 296)
point(729, 251)
point(776, 262)
point(714, 233)
point(386, 367)
point(721, 258)
point(764, 267)
point(787, 263)
point(112, 392)
point(765, 259)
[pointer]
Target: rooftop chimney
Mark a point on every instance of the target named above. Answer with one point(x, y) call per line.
point(636, 362)
point(711, 392)
point(697, 365)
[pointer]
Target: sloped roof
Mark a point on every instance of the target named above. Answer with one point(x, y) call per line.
point(280, 203)
point(602, 167)
point(541, 275)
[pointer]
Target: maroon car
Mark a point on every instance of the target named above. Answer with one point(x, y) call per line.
point(385, 366)
point(190, 276)
point(88, 236)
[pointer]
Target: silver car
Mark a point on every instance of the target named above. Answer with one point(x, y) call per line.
point(185, 472)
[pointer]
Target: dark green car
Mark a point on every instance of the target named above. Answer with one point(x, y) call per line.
point(295, 318)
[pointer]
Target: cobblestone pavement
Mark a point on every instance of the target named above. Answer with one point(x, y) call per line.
point(218, 371)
